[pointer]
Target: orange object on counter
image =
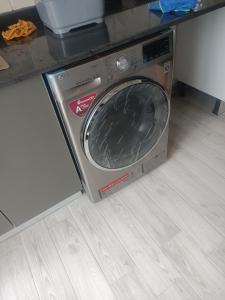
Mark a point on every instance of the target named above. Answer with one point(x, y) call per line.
point(20, 29)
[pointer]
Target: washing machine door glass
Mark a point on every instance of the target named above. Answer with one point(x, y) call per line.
point(126, 124)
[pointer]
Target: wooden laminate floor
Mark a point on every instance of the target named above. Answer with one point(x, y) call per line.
point(162, 238)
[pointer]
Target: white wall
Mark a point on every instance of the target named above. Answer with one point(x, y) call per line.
point(8, 5)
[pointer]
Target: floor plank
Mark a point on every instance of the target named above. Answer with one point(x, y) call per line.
point(198, 271)
point(155, 221)
point(84, 272)
point(179, 291)
point(186, 218)
point(153, 265)
point(16, 282)
point(218, 258)
point(183, 290)
point(107, 249)
point(48, 272)
point(199, 195)
point(132, 287)
point(205, 174)
point(204, 149)
point(171, 294)
point(198, 116)
point(204, 139)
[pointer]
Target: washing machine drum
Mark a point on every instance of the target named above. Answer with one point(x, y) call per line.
point(126, 124)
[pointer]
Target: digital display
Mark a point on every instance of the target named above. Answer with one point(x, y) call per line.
point(156, 49)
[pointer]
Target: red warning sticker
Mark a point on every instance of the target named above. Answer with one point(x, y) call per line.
point(113, 183)
point(80, 106)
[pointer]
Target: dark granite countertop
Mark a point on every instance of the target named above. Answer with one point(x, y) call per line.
point(44, 51)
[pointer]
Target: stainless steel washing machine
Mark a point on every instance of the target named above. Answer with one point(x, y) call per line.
point(115, 110)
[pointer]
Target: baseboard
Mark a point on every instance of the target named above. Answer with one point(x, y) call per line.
point(40, 217)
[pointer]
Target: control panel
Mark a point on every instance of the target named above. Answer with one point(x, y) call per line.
point(116, 65)
point(156, 49)
point(133, 58)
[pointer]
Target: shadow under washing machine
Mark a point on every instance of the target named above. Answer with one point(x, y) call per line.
point(115, 110)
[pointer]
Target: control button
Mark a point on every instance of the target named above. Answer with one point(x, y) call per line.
point(110, 77)
point(122, 64)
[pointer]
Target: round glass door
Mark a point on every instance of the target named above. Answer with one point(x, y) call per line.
point(126, 124)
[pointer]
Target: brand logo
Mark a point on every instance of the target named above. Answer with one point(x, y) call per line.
point(167, 67)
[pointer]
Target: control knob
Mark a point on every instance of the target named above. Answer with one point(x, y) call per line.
point(122, 64)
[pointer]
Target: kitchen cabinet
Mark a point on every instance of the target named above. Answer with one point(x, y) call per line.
point(200, 60)
point(4, 224)
point(36, 168)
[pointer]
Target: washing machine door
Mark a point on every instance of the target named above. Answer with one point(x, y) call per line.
point(126, 124)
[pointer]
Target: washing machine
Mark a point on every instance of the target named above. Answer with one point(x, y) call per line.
point(115, 112)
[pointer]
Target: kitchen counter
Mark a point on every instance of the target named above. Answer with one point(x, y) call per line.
point(44, 51)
